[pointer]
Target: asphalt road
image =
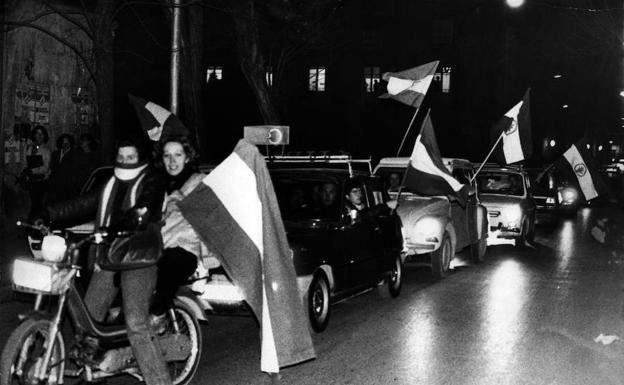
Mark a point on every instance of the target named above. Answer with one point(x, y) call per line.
point(524, 316)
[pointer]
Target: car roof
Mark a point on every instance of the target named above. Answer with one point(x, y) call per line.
point(334, 172)
point(513, 170)
point(402, 161)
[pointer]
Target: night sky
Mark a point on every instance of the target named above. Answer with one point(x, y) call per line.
point(496, 53)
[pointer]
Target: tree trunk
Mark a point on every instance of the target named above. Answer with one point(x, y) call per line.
point(103, 45)
point(193, 76)
point(252, 60)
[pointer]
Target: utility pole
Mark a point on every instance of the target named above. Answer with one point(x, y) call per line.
point(175, 57)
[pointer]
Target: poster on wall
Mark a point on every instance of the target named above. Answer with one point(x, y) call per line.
point(83, 109)
point(32, 103)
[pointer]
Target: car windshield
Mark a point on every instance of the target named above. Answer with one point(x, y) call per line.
point(303, 197)
point(392, 179)
point(542, 182)
point(502, 183)
point(97, 179)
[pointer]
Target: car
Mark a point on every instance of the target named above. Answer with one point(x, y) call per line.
point(434, 227)
point(506, 192)
point(545, 194)
point(338, 253)
point(569, 198)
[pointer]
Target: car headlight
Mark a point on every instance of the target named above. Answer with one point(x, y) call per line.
point(568, 195)
point(550, 201)
point(427, 229)
point(53, 248)
point(514, 214)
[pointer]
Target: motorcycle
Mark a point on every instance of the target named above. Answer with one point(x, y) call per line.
point(35, 352)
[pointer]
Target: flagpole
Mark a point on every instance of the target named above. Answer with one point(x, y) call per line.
point(409, 162)
point(407, 131)
point(487, 157)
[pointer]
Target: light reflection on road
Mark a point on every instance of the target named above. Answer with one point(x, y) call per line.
point(505, 299)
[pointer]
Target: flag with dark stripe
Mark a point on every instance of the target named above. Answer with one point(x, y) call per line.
point(410, 86)
point(157, 121)
point(426, 173)
point(514, 130)
point(581, 168)
point(235, 212)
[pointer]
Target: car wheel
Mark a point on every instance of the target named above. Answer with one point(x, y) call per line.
point(478, 249)
point(318, 302)
point(531, 232)
point(441, 258)
point(395, 279)
point(521, 240)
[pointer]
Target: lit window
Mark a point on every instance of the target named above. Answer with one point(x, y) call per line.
point(214, 73)
point(317, 79)
point(268, 76)
point(372, 78)
point(446, 79)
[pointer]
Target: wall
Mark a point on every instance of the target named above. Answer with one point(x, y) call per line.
point(44, 81)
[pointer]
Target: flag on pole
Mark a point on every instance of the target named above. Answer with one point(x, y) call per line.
point(410, 86)
point(235, 212)
point(426, 173)
point(156, 121)
point(578, 163)
point(515, 129)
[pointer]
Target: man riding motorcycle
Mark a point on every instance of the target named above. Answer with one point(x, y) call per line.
point(129, 201)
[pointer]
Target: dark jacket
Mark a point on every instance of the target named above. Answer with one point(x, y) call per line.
point(150, 194)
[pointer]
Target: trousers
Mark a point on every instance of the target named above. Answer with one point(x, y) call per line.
point(174, 268)
point(136, 287)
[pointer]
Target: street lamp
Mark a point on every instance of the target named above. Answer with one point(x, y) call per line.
point(557, 76)
point(564, 106)
point(515, 3)
point(552, 143)
point(600, 148)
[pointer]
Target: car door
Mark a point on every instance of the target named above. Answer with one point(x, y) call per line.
point(361, 241)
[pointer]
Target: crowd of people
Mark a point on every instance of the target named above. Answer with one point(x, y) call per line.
point(51, 176)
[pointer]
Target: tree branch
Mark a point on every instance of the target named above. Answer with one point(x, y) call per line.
point(70, 19)
point(60, 40)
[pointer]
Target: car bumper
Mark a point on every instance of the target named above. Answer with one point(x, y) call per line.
point(546, 214)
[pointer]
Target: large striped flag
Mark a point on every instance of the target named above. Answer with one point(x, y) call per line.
point(157, 121)
point(515, 129)
point(426, 173)
point(580, 166)
point(410, 86)
point(235, 212)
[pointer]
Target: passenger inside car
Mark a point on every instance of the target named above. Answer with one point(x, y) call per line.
point(394, 181)
point(328, 200)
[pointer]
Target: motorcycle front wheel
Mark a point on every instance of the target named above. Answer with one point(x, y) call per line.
point(182, 372)
point(24, 352)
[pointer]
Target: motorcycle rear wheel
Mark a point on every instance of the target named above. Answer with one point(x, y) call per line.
point(182, 372)
point(25, 349)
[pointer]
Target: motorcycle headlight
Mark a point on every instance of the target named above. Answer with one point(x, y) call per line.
point(53, 248)
point(427, 229)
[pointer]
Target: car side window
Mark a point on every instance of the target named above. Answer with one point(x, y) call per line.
point(461, 176)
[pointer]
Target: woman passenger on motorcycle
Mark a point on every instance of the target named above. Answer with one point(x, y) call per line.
point(132, 198)
point(182, 247)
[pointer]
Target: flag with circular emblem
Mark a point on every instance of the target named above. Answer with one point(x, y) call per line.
point(515, 129)
point(580, 163)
